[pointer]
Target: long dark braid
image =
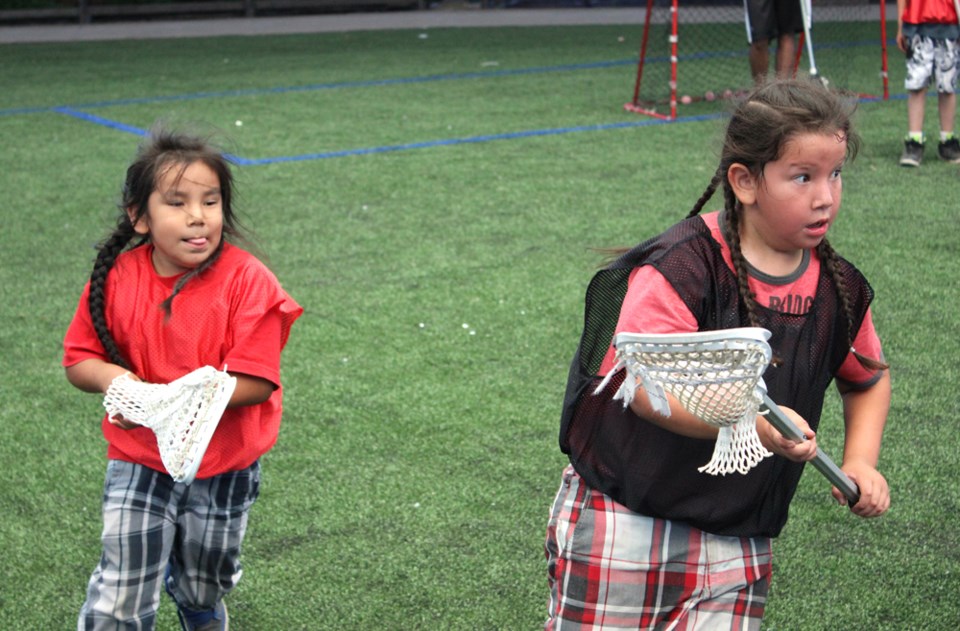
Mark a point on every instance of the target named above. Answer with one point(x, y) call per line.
point(732, 232)
point(829, 257)
point(732, 211)
point(163, 149)
point(107, 254)
point(739, 261)
point(758, 129)
point(718, 179)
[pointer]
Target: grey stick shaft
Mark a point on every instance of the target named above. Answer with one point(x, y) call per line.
point(821, 461)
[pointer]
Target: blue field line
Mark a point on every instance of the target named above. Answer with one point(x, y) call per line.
point(371, 83)
point(76, 110)
point(446, 142)
point(241, 161)
point(26, 110)
point(470, 140)
point(92, 118)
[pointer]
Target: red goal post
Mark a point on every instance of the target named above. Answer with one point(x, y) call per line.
point(694, 53)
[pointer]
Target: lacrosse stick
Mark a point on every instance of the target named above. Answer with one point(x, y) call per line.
point(807, 12)
point(716, 375)
point(183, 414)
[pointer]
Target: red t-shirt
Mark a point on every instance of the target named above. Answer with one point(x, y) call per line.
point(651, 305)
point(234, 315)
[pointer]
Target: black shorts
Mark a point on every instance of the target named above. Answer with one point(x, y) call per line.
point(768, 19)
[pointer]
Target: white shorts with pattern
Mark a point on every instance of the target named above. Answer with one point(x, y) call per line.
point(930, 59)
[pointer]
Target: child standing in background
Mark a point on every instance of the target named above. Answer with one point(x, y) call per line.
point(638, 538)
point(928, 33)
point(183, 297)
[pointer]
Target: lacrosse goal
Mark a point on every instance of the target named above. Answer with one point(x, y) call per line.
point(693, 54)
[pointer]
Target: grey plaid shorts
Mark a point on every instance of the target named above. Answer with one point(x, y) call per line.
point(157, 531)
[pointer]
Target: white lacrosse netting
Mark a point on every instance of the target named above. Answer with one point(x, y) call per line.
point(183, 413)
point(715, 375)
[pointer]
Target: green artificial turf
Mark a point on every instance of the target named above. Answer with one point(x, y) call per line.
point(443, 286)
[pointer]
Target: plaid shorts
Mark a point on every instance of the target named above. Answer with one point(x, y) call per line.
point(611, 568)
point(155, 528)
point(932, 59)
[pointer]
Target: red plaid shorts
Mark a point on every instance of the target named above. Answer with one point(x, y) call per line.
point(611, 568)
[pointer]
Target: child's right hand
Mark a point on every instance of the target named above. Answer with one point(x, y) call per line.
point(790, 449)
point(121, 422)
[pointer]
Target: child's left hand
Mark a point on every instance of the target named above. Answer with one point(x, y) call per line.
point(874, 490)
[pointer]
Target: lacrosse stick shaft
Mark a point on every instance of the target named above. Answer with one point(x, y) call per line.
point(821, 461)
point(805, 11)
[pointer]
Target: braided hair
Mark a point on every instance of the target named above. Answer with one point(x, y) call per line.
point(759, 128)
point(162, 150)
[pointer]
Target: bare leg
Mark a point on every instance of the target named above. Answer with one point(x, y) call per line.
point(786, 56)
point(759, 59)
point(947, 104)
point(915, 103)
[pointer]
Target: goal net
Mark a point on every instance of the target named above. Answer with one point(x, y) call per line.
point(694, 53)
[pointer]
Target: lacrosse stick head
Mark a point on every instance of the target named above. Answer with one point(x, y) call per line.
point(183, 414)
point(715, 375)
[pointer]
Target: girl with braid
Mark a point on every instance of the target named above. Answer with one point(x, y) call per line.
point(170, 293)
point(638, 538)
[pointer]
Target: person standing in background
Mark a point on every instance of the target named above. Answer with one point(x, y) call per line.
point(927, 33)
point(767, 20)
